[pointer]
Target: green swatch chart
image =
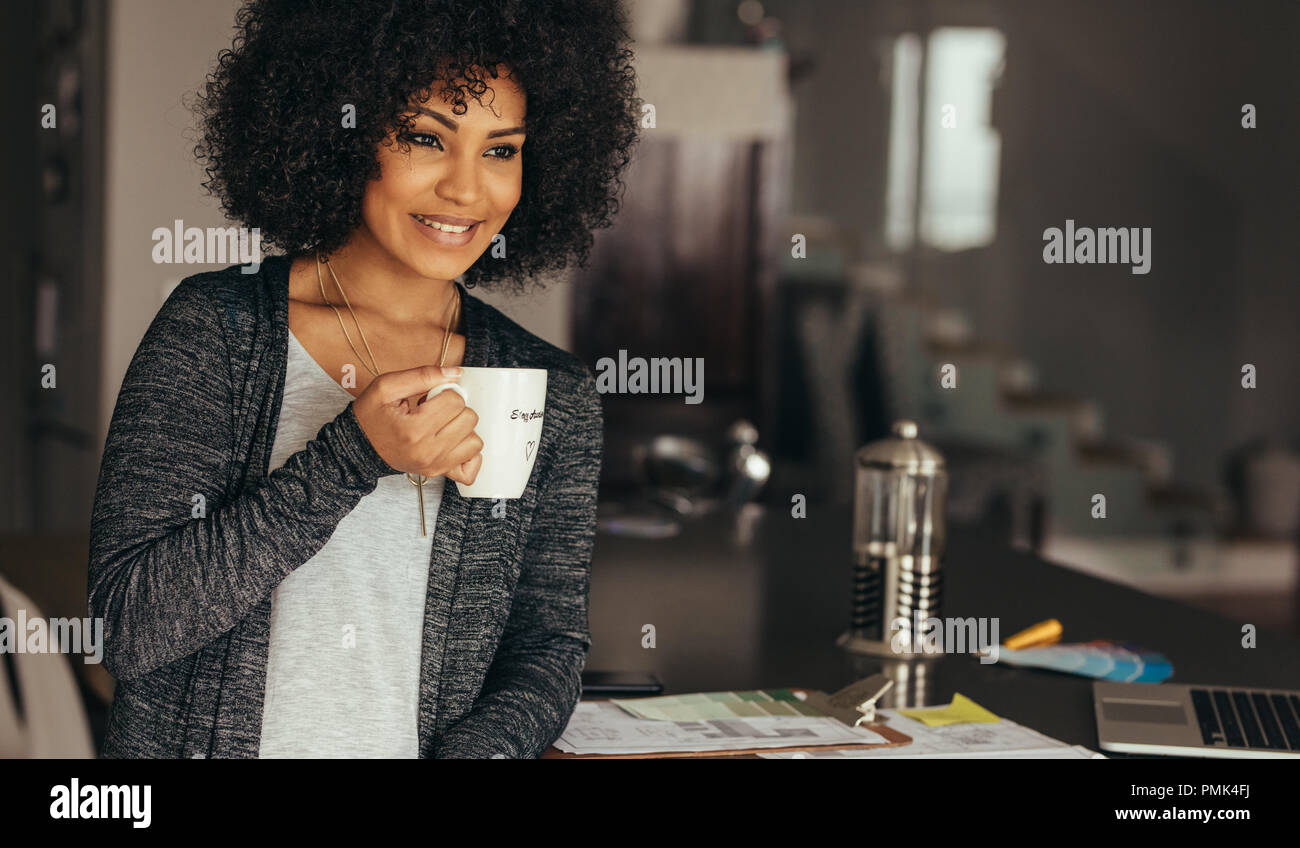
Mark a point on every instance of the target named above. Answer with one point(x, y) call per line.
point(700, 706)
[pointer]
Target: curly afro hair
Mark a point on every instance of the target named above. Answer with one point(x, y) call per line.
point(278, 157)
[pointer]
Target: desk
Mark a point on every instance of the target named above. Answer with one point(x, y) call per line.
point(762, 607)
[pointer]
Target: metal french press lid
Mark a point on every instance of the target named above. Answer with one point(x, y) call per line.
point(902, 452)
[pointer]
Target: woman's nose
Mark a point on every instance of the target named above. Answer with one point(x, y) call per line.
point(461, 184)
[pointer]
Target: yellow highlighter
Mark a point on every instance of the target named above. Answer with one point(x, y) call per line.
point(1040, 635)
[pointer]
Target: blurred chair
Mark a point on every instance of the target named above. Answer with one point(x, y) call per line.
point(50, 571)
point(41, 711)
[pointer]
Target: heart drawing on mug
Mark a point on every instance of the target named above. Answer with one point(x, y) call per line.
point(528, 449)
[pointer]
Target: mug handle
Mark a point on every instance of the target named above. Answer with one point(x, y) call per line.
point(455, 387)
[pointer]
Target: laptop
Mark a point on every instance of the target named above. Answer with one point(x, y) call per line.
point(1197, 721)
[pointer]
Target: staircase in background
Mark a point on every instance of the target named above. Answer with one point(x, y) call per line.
point(997, 400)
point(1158, 534)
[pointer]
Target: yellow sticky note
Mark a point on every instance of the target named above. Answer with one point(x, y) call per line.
point(961, 711)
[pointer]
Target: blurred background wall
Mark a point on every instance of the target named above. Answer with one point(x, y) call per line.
point(1113, 114)
point(160, 54)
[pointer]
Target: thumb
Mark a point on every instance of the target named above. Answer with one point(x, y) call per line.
point(394, 386)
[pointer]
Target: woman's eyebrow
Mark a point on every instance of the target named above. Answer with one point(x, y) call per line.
point(453, 126)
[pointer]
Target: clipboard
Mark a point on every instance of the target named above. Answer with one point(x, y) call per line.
point(854, 705)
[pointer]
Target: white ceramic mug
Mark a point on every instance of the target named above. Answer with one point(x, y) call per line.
point(510, 404)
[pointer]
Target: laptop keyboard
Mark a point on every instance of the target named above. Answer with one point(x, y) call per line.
point(1240, 719)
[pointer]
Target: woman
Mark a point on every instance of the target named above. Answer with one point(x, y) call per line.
point(280, 568)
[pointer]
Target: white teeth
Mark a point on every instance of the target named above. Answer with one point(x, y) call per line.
point(446, 228)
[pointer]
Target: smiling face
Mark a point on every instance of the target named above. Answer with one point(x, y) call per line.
point(462, 171)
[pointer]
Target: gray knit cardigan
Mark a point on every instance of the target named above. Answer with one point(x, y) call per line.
point(185, 593)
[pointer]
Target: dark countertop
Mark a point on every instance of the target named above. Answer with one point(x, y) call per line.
point(734, 615)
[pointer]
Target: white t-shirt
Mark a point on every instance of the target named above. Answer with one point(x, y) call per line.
point(343, 675)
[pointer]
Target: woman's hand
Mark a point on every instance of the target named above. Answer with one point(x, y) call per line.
point(432, 437)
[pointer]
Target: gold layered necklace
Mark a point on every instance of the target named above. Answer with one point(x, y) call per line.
point(416, 480)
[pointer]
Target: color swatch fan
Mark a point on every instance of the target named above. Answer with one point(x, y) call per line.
point(1102, 660)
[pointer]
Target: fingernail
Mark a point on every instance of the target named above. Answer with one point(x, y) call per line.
point(451, 371)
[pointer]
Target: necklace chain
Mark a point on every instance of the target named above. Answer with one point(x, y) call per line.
point(373, 366)
point(417, 480)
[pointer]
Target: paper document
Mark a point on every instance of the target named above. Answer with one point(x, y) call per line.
point(1068, 752)
point(602, 727)
point(1003, 740)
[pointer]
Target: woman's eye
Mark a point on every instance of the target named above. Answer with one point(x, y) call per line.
point(420, 139)
point(424, 139)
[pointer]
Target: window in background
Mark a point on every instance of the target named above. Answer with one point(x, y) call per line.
point(950, 200)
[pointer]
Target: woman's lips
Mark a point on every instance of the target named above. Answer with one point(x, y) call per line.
point(443, 237)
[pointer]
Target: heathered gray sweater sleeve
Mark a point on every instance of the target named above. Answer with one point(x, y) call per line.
point(536, 676)
point(169, 570)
